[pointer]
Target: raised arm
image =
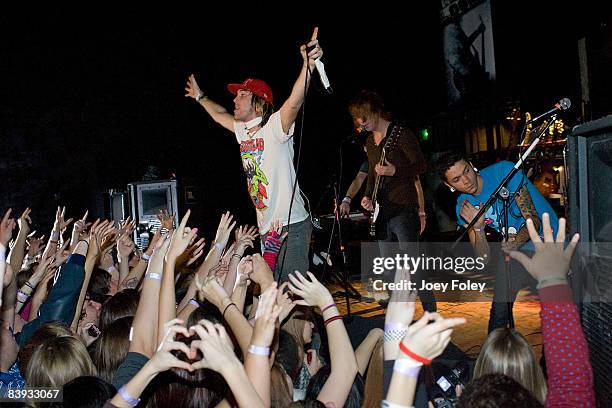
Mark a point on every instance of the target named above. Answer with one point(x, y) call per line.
point(180, 241)
point(218, 355)
point(17, 253)
point(217, 112)
point(7, 225)
point(343, 363)
point(291, 107)
point(162, 360)
point(570, 375)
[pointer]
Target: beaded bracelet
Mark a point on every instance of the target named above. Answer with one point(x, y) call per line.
point(395, 334)
point(258, 350)
point(414, 355)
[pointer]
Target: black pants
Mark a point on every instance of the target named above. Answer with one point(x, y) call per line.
point(504, 294)
point(403, 227)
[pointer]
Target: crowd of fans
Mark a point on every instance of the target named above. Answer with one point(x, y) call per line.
point(178, 326)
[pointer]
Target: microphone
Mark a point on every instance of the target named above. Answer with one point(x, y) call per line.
point(353, 136)
point(321, 68)
point(562, 105)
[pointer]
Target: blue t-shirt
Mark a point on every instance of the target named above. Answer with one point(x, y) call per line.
point(491, 177)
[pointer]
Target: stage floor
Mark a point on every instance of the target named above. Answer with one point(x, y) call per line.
point(470, 336)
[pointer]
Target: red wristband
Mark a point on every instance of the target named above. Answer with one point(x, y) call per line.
point(331, 319)
point(327, 307)
point(413, 355)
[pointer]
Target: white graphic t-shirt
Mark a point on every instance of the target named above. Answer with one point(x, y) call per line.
point(267, 159)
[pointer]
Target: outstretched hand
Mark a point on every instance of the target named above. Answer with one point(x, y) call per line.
point(551, 259)
point(225, 228)
point(430, 339)
point(192, 89)
point(312, 292)
point(181, 238)
point(7, 225)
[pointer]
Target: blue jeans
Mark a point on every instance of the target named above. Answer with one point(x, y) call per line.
point(404, 227)
point(295, 250)
point(503, 300)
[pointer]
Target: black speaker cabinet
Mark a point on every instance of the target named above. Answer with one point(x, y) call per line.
point(589, 162)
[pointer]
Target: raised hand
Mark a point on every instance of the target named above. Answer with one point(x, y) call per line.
point(192, 90)
point(25, 221)
point(223, 231)
point(127, 226)
point(181, 238)
point(316, 51)
point(266, 317)
point(312, 292)
point(245, 236)
point(166, 220)
point(195, 251)
point(430, 339)
point(61, 255)
point(283, 300)
point(213, 291)
point(60, 224)
point(262, 273)
point(551, 260)
point(7, 225)
point(35, 245)
point(245, 268)
point(215, 346)
point(80, 225)
point(125, 246)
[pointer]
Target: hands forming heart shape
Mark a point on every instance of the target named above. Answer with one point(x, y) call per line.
point(210, 340)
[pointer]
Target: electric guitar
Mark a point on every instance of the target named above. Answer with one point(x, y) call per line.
point(389, 143)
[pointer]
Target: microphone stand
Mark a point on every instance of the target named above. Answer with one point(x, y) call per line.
point(501, 192)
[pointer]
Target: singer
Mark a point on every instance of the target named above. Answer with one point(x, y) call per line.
point(475, 187)
point(266, 149)
point(398, 219)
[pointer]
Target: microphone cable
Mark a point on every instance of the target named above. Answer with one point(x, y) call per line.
point(297, 168)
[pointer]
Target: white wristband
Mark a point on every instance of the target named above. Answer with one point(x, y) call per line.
point(407, 367)
point(220, 247)
point(259, 351)
point(387, 404)
point(153, 275)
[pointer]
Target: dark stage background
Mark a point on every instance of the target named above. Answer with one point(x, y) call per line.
point(91, 98)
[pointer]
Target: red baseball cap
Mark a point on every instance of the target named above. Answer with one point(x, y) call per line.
point(257, 86)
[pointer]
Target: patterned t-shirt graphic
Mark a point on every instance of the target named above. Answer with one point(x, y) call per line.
point(252, 155)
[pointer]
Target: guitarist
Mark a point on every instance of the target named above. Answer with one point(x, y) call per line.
point(396, 195)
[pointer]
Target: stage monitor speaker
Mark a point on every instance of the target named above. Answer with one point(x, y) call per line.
point(589, 163)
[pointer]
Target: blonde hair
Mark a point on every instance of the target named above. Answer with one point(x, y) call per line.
point(58, 361)
point(507, 352)
point(373, 392)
